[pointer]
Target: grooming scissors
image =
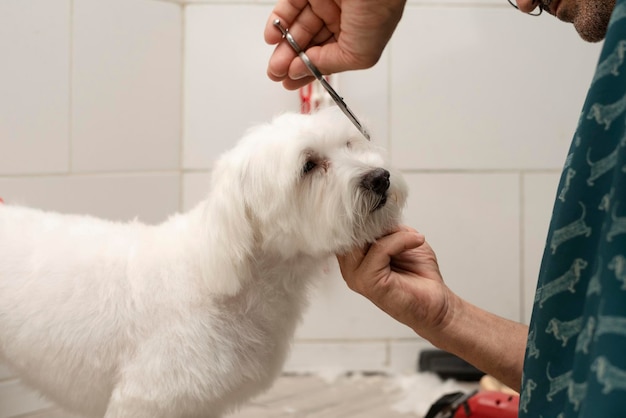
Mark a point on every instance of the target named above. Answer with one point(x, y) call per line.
point(313, 69)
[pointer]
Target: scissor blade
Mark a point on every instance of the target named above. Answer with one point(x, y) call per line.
point(318, 75)
point(344, 108)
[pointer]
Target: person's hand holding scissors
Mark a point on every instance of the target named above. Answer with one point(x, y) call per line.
point(338, 35)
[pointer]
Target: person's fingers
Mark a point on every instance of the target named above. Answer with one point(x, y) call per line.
point(352, 259)
point(286, 12)
point(372, 259)
point(280, 61)
point(310, 24)
point(298, 73)
point(290, 84)
point(402, 227)
point(300, 16)
point(305, 28)
point(381, 252)
point(329, 58)
point(322, 37)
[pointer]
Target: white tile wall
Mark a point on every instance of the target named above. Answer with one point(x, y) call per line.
point(195, 188)
point(34, 103)
point(118, 109)
point(126, 85)
point(485, 88)
point(226, 89)
point(121, 197)
point(333, 358)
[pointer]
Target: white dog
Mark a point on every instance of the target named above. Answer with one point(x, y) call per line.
point(192, 317)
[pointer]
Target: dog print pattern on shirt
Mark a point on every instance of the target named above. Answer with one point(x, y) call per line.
point(576, 352)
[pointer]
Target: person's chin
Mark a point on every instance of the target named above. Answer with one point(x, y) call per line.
point(592, 20)
point(590, 33)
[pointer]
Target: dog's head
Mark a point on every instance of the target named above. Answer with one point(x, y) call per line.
point(305, 185)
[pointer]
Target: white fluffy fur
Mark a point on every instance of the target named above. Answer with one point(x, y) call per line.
point(194, 316)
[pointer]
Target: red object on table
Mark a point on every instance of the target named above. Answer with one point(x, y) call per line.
point(489, 404)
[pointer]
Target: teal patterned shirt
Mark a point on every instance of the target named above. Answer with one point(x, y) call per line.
point(576, 354)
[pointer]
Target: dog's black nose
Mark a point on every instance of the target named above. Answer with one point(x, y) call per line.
point(377, 181)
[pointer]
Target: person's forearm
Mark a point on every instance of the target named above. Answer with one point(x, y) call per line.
point(491, 343)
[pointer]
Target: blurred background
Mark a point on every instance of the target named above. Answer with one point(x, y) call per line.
point(118, 108)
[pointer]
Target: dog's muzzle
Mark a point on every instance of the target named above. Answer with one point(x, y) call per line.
point(377, 182)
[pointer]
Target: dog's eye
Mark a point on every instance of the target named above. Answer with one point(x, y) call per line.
point(308, 166)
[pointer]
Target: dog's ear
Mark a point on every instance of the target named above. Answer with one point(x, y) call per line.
point(229, 231)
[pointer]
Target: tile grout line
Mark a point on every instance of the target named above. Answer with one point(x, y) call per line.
point(181, 139)
point(389, 100)
point(477, 170)
point(70, 130)
point(23, 176)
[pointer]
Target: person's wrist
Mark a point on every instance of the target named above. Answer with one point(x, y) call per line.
point(441, 331)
